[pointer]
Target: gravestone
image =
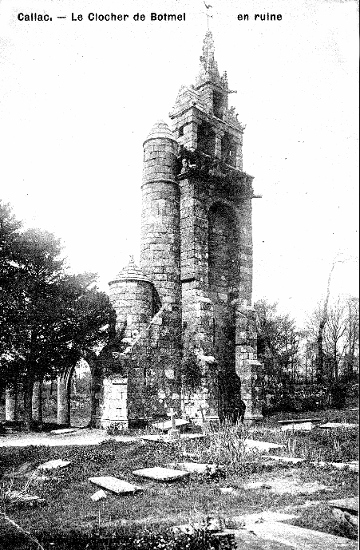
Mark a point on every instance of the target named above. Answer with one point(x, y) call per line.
point(298, 537)
point(297, 427)
point(99, 495)
point(195, 468)
point(348, 504)
point(161, 474)
point(335, 425)
point(54, 464)
point(63, 431)
point(261, 445)
point(298, 420)
point(167, 424)
point(115, 485)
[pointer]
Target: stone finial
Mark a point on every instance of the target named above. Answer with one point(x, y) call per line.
point(208, 65)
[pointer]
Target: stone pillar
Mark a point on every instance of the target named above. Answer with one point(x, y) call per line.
point(63, 401)
point(10, 404)
point(37, 402)
point(248, 368)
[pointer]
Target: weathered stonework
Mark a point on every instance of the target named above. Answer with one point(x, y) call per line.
point(186, 310)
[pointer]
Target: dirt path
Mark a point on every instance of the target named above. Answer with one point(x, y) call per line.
point(79, 437)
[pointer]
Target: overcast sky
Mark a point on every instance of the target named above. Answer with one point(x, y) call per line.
point(77, 100)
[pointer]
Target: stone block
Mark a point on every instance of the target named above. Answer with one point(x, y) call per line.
point(195, 468)
point(115, 485)
point(161, 474)
point(54, 464)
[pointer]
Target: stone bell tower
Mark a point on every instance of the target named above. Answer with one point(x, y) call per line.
point(216, 239)
point(189, 303)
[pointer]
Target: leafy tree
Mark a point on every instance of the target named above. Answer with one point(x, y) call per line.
point(278, 344)
point(52, 317)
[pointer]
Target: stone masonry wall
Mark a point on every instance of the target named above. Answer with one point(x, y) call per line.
point(160, 260)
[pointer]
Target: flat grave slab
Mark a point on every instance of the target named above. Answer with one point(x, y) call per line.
point(285, 485)
point(166, 439)
point(115, 485)
point(247, 540)
point(347, 504)
point(289, 459)
point(192, 436)
point(353, 465)
point(262, 445)
point(334, 425)
point(299, 420)
point(99, 495)
point(20, 496)
point(299, 538)
point(267, 515)
point(195, 468)
point(54, 464)
point(297, 427)
point(161, 474)
point(64, 431)
point(167, 424)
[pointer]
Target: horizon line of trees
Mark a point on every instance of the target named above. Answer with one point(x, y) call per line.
point(293, 357)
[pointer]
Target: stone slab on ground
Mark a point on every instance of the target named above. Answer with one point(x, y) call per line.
point(54, 464)
point(99, 495)
point(335, 425)
point(64, 431)
point(167, 424)
point(267, 515)
point(192, 436)
point(161, 474)
point(24, 498)
point(124, 439)
point(350, 504)
point(166, 439)
point(299, 420)
point(353, 466)
point(196, 468)
point(246, 540)
point(115, 485)
point(252, 444)
point(297, 427)
point(287, 484)
point(286, 459)
point(298, 537)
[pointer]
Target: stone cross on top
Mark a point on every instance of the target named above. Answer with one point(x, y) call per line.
point(207, 13)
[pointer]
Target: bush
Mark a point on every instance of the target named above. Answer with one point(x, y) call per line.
point(199, 540)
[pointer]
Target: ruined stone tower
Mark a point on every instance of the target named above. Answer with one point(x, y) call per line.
point(187, 310)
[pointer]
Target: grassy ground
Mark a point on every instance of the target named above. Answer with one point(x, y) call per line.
point(68, 507)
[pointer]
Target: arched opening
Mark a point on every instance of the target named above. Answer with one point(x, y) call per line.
point(80, 391)
point(224, 279)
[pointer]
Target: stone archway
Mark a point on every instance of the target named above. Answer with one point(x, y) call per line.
point(75, 395)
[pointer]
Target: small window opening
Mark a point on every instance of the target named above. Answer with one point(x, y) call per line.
point(218, 104)
point(228, 150)
point(206, 139)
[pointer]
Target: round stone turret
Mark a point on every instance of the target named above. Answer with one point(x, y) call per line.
point(132, 294)
point(160, 150)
